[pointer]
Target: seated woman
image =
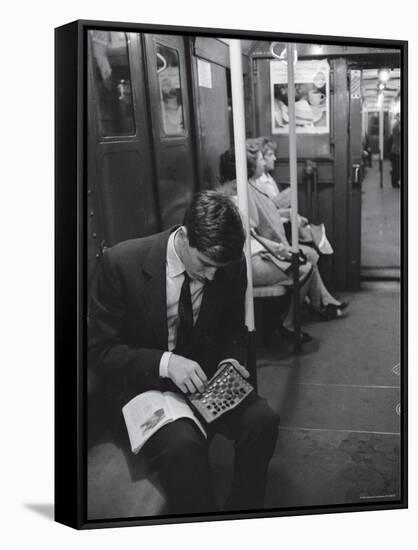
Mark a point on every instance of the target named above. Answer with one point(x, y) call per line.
point(267, 269)
point(265, 182)
point(315, 235)
point(265, 219)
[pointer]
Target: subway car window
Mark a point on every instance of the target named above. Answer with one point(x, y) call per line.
point(169, 83)
point(113, 83)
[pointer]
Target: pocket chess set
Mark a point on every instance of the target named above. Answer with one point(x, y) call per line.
point(225, 390)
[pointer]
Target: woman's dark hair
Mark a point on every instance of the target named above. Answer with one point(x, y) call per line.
point(214, 227)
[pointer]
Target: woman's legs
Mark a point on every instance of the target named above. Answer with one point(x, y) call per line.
point(265, 273)
point(318, 293)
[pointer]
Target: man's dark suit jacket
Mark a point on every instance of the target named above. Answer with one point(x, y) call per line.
point(127, 327)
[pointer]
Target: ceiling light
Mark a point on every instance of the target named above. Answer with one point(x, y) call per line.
point(383, 75)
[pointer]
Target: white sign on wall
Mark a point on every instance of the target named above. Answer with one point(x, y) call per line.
point(204, 72)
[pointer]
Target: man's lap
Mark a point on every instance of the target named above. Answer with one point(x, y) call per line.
point(253, 413)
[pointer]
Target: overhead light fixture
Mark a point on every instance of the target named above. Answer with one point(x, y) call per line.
point(383, 75)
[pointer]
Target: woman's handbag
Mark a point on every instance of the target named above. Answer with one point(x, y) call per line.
point(315, 235)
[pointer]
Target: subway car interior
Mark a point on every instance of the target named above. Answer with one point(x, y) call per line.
point(160, 115)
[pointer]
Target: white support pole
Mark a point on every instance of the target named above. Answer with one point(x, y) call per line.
point(364, 122)
point(381, 131)
point(290, 49)
point(238, 110)
point(381, 143)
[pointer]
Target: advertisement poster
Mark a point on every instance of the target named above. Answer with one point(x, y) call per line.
point(311, 97)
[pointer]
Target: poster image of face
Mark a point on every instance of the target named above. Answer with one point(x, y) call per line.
point(311, 97)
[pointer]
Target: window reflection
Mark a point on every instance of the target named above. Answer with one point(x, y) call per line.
point(168, 70)
point(113, 83)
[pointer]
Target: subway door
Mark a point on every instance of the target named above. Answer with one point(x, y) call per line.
point(119, 155)
point(355, 177)
point(212, 105)
point(171, 125)
point(213, 118)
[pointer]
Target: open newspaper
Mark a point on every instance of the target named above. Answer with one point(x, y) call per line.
point(146, 413)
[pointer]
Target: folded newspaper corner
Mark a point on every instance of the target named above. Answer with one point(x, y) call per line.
point(146, 413)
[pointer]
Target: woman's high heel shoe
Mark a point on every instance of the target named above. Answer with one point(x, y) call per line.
point(330, 312)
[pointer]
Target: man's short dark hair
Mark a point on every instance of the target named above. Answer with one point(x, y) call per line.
point(227, 170)
point(253, 151)
point(214, 226)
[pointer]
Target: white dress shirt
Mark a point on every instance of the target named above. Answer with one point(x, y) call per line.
point(174, 280)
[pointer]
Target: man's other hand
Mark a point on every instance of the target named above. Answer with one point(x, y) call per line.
point(186, 374)
point(240, 368)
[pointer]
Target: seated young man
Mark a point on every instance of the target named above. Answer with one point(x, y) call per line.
point(139, 340)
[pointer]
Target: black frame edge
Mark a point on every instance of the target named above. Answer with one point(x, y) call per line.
point(256, 514)
point(404, 271)
point(240, 33)
point(67, 388)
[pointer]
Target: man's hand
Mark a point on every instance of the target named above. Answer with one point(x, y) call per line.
point(186, 374)
point(240, 368)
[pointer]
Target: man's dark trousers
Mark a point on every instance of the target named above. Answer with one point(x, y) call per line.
point(179, 453)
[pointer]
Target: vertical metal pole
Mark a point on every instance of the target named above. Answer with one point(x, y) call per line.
point(238, 113)
point(290, 50)
point(381, 143)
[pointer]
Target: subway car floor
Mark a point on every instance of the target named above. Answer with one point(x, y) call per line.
point(380, 253)
point(339, 403)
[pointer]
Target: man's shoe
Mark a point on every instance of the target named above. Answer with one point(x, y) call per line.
point(292, 336)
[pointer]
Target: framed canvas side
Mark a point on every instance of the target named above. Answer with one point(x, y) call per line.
point(71, 273)
point(69, 268)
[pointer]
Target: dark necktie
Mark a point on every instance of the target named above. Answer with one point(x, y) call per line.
point(185, 325)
